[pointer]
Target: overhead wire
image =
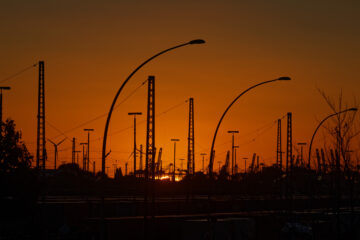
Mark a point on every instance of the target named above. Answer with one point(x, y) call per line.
point(18, 73)
point(104, 114)
point(257, 132)
point(142, 121)
point(62, 134)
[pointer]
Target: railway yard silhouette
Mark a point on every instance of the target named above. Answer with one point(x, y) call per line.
point(305, 193)
point(297, 197)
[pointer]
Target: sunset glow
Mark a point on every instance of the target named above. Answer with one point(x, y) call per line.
point(88, 56)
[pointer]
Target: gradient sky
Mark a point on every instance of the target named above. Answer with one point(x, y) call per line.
point(89, 48)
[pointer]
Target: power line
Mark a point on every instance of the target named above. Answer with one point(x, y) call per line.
point(102, 115)
point(140, 122)
point(257, 132)
point(143, 121)
point(18, 73)
point(62, 134)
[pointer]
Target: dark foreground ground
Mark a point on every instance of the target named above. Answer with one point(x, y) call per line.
point(71, 204)
point(178, 217)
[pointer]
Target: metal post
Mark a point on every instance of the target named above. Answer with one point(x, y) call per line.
point(88, 130)
point(77, 156)
point(227, 109)
point(203, 161)
point(235, 170)
point(191, 140)
point(196, 41)
point(40, 142)
point(174, 140)
point(56, 150)
point(73, 151)
point(245, 164)
point(84, 157)
point(301, 151)
point(134, 114)
point(1, 102)
point(232, 150)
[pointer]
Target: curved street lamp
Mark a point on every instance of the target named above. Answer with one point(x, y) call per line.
point(317, 128)
point(196, 41)
point(217, 128)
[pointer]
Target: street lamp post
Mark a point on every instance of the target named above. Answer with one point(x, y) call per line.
point(203, 161)
point(1, 101)
point(88, 130)
point(174, 140)
point(317, 128)
point(236, 166)
point(233, 151)
point(227, 109)
point(245, 164)
point(84, 157)
point(134, 114)
point(196, 41)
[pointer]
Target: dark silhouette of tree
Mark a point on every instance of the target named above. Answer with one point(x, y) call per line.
point(13, 152)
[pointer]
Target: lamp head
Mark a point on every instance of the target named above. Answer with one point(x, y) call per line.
point(135, 113)
point(284, 78)
point(197, 41)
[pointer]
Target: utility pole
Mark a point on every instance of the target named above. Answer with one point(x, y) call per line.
point(77, 157)
point(84, 157)
point(235, 165)
point(191, 140)
point(232, 150)
point(289, 161)
point(203, 161)
point(245, 163)
point(150, 130)
point(174, 140)
point(141, 160)
point(1, 102)
point(88, 130)
point(56, 150)
point(134, 114)
point(73, 151)
point(40, 141)
point(278, 147)
point(301, 144)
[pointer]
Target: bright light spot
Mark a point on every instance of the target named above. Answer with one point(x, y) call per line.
point(165, 178)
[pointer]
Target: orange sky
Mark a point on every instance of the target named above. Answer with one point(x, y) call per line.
point(90, 47)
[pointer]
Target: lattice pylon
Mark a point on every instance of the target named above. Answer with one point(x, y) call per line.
point(191, 140)
point(41, 149)
point(278, 146)
point(150, 130)
point(289, 159)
